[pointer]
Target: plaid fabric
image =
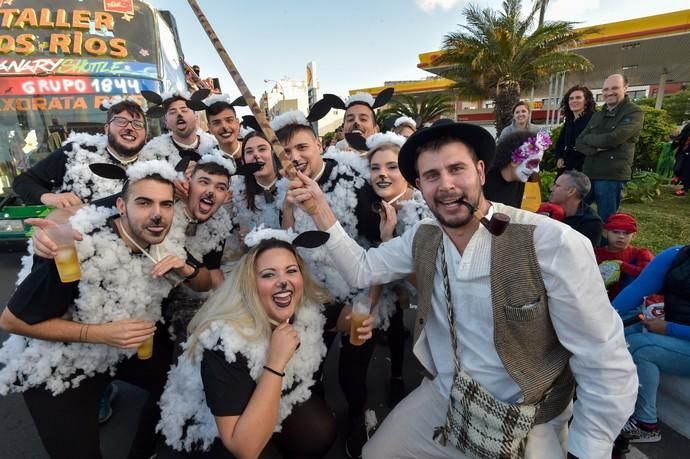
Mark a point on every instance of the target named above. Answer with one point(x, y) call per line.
point(477, 423)
point(481, 426)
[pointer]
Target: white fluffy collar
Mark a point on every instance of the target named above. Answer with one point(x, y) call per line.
point(186, 421)
point(115, 285)
point(78, 177)
point(163, 147)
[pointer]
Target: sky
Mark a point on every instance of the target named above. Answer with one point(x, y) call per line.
point(355, 43)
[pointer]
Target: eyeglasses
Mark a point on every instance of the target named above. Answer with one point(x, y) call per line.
point(121, 122)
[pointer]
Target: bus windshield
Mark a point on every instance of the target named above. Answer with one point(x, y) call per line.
point(60, 59)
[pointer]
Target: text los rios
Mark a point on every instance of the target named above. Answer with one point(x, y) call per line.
point(70, 42)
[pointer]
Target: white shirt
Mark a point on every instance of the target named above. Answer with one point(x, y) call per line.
point(579, 308)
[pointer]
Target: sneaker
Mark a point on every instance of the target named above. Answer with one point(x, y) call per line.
point(680, 193)
point(637, 434)
point(105, 410)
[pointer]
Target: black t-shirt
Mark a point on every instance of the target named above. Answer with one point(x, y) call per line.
point(42, 296)
point(496, 189)
point(42, 178)
point(228, 386)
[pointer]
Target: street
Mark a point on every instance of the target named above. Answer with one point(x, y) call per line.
point(19, 439)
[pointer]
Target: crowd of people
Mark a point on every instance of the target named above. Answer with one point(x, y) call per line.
point(241, 271)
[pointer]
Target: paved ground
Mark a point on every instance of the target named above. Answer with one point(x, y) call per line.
point(19, 440)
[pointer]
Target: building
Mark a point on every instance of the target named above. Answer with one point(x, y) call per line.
point(653, 52)
point(286, 95)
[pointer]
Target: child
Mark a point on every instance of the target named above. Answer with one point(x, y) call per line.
point(620, 230)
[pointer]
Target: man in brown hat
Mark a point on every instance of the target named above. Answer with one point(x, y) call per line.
point(507, 322)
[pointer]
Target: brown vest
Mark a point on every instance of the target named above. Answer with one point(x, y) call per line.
point(524, 336)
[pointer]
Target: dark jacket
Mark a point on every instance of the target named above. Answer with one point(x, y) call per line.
point(608, 142)
point(677, 288)
point(565, 146)
point(587, 222)
point(45, 177)
point(496, 189)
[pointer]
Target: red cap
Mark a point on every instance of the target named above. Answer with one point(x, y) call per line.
point(551, 210)
point(621, 222)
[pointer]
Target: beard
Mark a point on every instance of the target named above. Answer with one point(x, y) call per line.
point(122, 150)
point(455, 222)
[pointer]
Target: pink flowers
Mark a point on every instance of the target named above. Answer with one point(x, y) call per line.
point(534, 146)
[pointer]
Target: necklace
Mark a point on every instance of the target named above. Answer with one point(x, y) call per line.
point(323, 168)
point(268, 190)
point(192, 223)
point(121, 160)
point(171, 276)
point(392, 201)
point(192, 146)
point(234, 155)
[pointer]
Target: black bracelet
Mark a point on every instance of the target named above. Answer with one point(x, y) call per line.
point(194, 273)
point(277, 373)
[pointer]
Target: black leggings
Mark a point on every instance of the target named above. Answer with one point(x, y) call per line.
point(308, 433)
point(68, 422)
point(396, 341)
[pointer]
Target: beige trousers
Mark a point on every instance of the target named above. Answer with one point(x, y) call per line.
point(407, 432)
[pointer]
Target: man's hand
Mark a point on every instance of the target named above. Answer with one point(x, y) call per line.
point(44, 246)
point(181, 189)
point(657, 326)
point(60, 200)
point(560, 163)
point(124, 334)
point(172, 262)
point(300, 190)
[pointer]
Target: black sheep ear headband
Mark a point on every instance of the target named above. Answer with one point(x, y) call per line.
point(307, 239)
point(194, 101)
point(135, 172)
point(329, 101)
point(108, 103)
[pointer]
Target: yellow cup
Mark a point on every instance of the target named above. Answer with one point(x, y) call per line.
point(360, 312)
point(67, 260)
point(145, 351)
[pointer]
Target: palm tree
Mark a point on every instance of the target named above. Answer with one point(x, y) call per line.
point(422, 110)
point(495, 56)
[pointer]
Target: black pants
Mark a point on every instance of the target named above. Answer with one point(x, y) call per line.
point(308, 433)
point(396, 341)
point(352, 364)
point(68, 422)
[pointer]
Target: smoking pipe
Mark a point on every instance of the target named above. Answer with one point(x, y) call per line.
point(498, 223)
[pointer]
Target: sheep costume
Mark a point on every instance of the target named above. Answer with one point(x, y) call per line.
point(115, 285)
point(186, 420)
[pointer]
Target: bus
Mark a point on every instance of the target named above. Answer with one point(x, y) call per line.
point(60, 59)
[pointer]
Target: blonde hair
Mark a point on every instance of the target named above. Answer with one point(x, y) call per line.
point(384, 146)
point(237, 303)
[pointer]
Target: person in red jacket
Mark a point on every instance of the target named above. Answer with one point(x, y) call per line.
point(620, 262)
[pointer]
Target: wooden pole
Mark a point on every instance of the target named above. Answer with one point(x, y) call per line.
point(285, 162)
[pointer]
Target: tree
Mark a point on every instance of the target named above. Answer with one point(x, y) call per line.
point(423, 110)
point(677, 105)
point(495, 56)
point(655, 131)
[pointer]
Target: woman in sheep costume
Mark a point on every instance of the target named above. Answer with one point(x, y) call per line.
point(243, 387)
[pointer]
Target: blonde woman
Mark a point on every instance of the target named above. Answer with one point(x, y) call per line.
point(243, 388)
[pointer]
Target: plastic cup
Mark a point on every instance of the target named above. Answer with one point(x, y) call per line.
point(66, 260)
point(360, 312)
point(145, 351)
